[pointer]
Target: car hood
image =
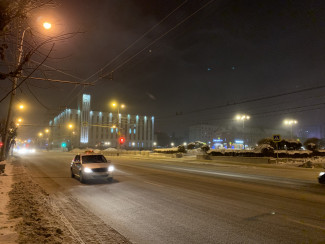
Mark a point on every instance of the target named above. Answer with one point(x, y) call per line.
point(96, 165)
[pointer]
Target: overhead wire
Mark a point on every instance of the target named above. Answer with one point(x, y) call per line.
point(150, 44)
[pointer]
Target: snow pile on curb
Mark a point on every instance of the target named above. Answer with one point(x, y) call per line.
point(30, 205)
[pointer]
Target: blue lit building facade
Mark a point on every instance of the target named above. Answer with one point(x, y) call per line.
point(102, 129)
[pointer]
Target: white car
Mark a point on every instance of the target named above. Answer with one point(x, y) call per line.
point(91, 166)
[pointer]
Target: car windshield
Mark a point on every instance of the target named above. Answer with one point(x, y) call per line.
point(93, 159)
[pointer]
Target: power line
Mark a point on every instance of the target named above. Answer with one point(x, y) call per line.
point(161, 36)
point(150, 44)
point(140, 38)
point(248, 101)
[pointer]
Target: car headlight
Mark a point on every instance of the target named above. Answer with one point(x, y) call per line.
point(111, 168)
point(87, 170)
point(321, 173)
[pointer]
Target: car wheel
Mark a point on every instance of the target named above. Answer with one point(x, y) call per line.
point(110, 179)
point(82, 178)
point(72, 174)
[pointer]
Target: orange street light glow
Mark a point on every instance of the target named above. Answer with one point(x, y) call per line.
point(47, 25)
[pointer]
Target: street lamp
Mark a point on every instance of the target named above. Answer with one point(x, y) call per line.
point(47, 25)
point(172, 144)
point(243, 118)
point(290, 122)
point(118, 106)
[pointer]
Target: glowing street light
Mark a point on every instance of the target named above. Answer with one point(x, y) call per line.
point(40, 134)
point(21, 106)
point(243, 118)
point(47, 25)
point(47, 130)
point(172, 144)
point(118, 106)
point(20, 120)
point(70, 126)
point(290, 122)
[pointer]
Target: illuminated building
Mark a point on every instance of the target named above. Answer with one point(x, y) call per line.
point(96, 128)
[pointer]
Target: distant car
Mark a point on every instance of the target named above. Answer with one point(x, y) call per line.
point(91, 166)
point(321, 178)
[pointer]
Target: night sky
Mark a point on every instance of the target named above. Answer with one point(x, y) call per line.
point(199, 65)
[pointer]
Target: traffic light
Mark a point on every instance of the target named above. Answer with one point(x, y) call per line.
point(63, 144)
point(122, 140)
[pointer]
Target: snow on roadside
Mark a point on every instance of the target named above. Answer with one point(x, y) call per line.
point(30, 206)
point(8, 234)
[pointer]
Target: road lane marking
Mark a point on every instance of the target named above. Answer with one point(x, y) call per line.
point(306, 224)
point(263, 178)
point(151, 183)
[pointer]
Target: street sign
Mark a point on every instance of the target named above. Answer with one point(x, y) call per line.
point(276, 138)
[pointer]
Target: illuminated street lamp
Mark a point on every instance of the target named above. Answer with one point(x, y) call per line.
point(118, 106)
point(243, 118)
point(47, 25)
point(290, 122)
point(70, 126)
point(172, 144)
point(21, 106)
point(40, 134)
point(47, 131)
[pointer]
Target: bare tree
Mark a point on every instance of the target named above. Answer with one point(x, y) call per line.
point(19, 41)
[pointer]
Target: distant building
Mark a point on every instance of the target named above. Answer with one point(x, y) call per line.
point(102, 129)
point(230, 136)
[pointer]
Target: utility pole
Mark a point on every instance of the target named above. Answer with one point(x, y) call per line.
point(12, 96)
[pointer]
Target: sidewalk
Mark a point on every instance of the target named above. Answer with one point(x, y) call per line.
point(8, 234)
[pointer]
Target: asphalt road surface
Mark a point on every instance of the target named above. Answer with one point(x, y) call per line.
point(171, 201)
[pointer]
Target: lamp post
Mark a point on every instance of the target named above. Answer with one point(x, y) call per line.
point(13, 93)
point(290, 122)
point(71, 133)
point(118, 106)
point(243, 118)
